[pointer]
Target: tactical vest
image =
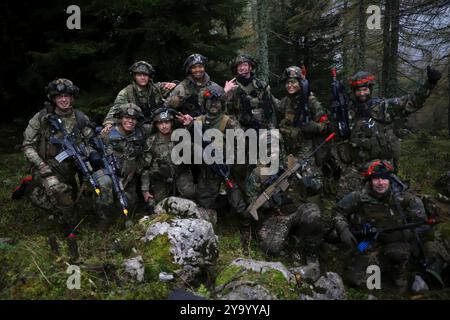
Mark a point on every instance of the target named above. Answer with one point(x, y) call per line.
point(48, 150)
point(220, 125)
point(372, 134)
point(380, 214)
point(148, 103)
point(161, 150)
point(254, 105)
point(193, 102)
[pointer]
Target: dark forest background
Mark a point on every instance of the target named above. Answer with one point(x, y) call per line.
point(36, 46)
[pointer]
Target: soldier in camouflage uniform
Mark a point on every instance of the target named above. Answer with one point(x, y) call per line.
point(55, 186)
point(160, 174)
point(371, 122)
point(125, 141)
point(142, 91)
point(248, 98)
point(375, 203)
point(302, 127)
point(294, 212)
point(209, 183)
point(187, 97)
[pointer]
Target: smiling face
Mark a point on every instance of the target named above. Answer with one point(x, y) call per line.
point(380, 185)
point(128, 123)
point(244, 69)
point(63, 101)
point(197, 71)
point(292, 86)
point(362, 94)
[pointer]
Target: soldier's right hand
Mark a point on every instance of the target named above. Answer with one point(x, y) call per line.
point(230, 85)
point(106, 130)
point(44, 169)
point(348, 238)
point(147, 196)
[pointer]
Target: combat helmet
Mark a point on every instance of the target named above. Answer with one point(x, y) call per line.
point(362, 79)
point(377, 169)
point(142, 67)
point(292, 72)
point(241, 59)
point(163, 114)
point(60, 86)
point(192, 60)
point(130, 110)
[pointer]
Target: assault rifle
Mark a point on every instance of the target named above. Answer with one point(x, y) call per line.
point(111, 167)
point(282, 183)
point(339, 107)
point(370, 233)
point(72, 150)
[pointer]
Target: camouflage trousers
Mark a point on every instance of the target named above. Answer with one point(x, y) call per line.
point(305, 224)
point(208, 189)
point(391, 258)
point(182, 185)
point(55, 195)
point(106, 205)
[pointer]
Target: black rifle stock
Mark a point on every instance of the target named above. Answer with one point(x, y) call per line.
point(339, 107)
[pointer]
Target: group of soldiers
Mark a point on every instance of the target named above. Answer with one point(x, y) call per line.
point(127, 162)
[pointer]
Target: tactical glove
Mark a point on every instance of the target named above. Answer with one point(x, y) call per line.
point(433, 75)
point(348, 238)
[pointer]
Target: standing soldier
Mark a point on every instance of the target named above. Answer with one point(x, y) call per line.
point(187, 97)
point(125, 142)
point(142, 91)
point(160, 174)
point(381, 204)
point(372, 127)
point(248, 98)
point(305, 122)
point(55, 184)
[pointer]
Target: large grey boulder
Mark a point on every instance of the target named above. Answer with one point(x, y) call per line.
point(193, 244)
point(184, 208)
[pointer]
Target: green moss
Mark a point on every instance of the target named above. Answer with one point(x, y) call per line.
point(355, 294)
point(273, 280)
point(157, 257)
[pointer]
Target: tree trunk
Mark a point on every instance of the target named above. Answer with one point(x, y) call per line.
point(345, 60)
point(386, 47)
point(361, 35)
point(391, 90)
point(263, 52)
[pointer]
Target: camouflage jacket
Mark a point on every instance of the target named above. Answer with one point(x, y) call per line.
point(147, 99)
point(360, 207)
point(36, 144)
point(188, 95)
point(128, 149)
point(253, 105)
point(296, 137)
point(372, 127)
point(157, 161)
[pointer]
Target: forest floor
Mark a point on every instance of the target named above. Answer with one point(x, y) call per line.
point(28, 269)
